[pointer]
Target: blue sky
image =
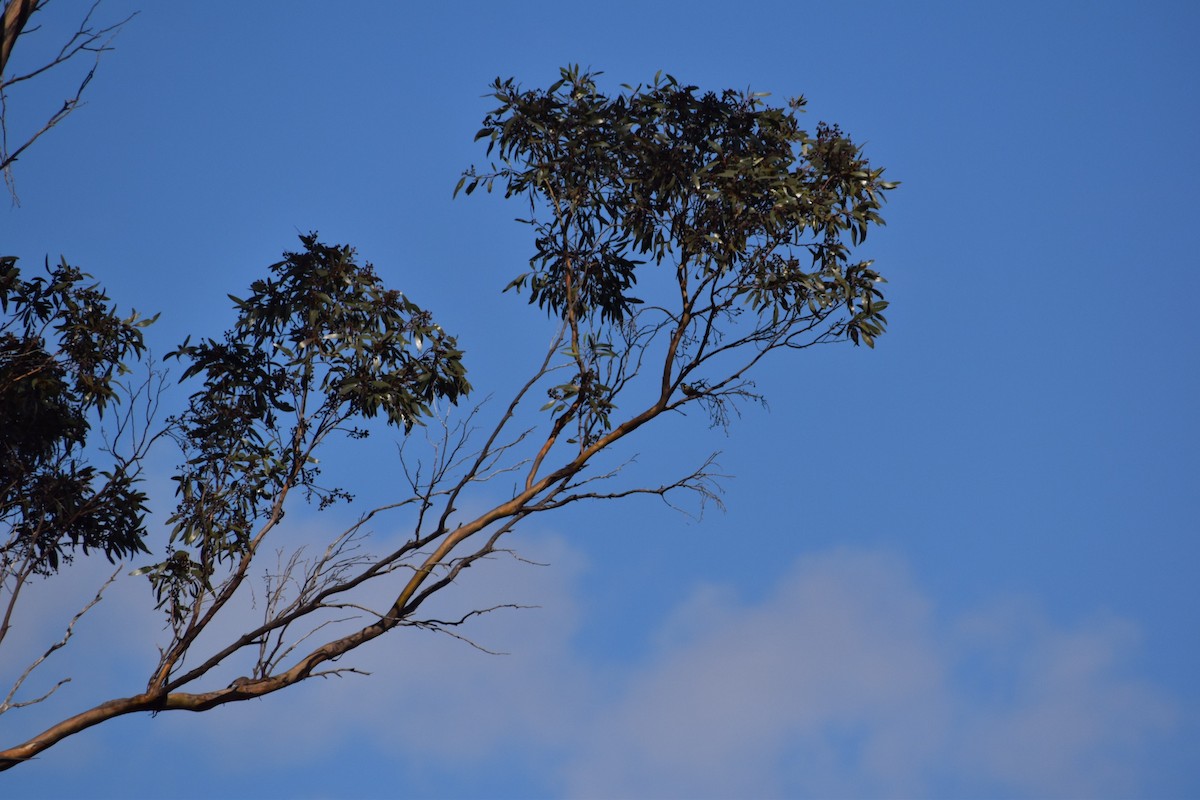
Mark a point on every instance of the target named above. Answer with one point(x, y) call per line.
point(990, 590)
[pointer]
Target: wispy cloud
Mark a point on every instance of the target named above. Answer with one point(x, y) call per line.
point(846, 679)
point(845, 682)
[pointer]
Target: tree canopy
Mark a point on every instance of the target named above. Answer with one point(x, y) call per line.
point(680, 237)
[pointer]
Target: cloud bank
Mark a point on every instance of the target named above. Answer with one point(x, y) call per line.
point(845, 680)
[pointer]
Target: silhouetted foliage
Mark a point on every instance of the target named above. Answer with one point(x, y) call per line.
point(747, 224)
point(62, 348)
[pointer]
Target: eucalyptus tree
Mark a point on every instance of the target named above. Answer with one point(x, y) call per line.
point(680, 239)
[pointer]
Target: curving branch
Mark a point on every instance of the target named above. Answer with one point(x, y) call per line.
point(748, 211)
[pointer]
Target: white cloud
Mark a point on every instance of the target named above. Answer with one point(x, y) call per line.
point(764, 700)
point(844, 680)
point(1063, 717)
point(842, 683)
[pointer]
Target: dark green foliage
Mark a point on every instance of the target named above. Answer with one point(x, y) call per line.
point(717, 183)
point(681, 237)
point(62, 347)
point(751, 212)
point(317, 345)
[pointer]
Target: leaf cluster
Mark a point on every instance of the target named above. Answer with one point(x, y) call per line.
point(63, 347)
point(719, 182)
point(318, 344)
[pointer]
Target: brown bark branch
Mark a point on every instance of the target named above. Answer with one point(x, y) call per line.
point(16, 14)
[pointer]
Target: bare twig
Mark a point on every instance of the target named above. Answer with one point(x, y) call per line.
point(70, 631)
point(88, 38)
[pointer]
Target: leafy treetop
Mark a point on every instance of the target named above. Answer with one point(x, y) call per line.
point(317, 345)
point(719, 182)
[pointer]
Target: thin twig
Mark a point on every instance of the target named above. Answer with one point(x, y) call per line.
point(70, 631)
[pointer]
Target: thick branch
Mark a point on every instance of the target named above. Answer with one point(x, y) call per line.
point(16, 14)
